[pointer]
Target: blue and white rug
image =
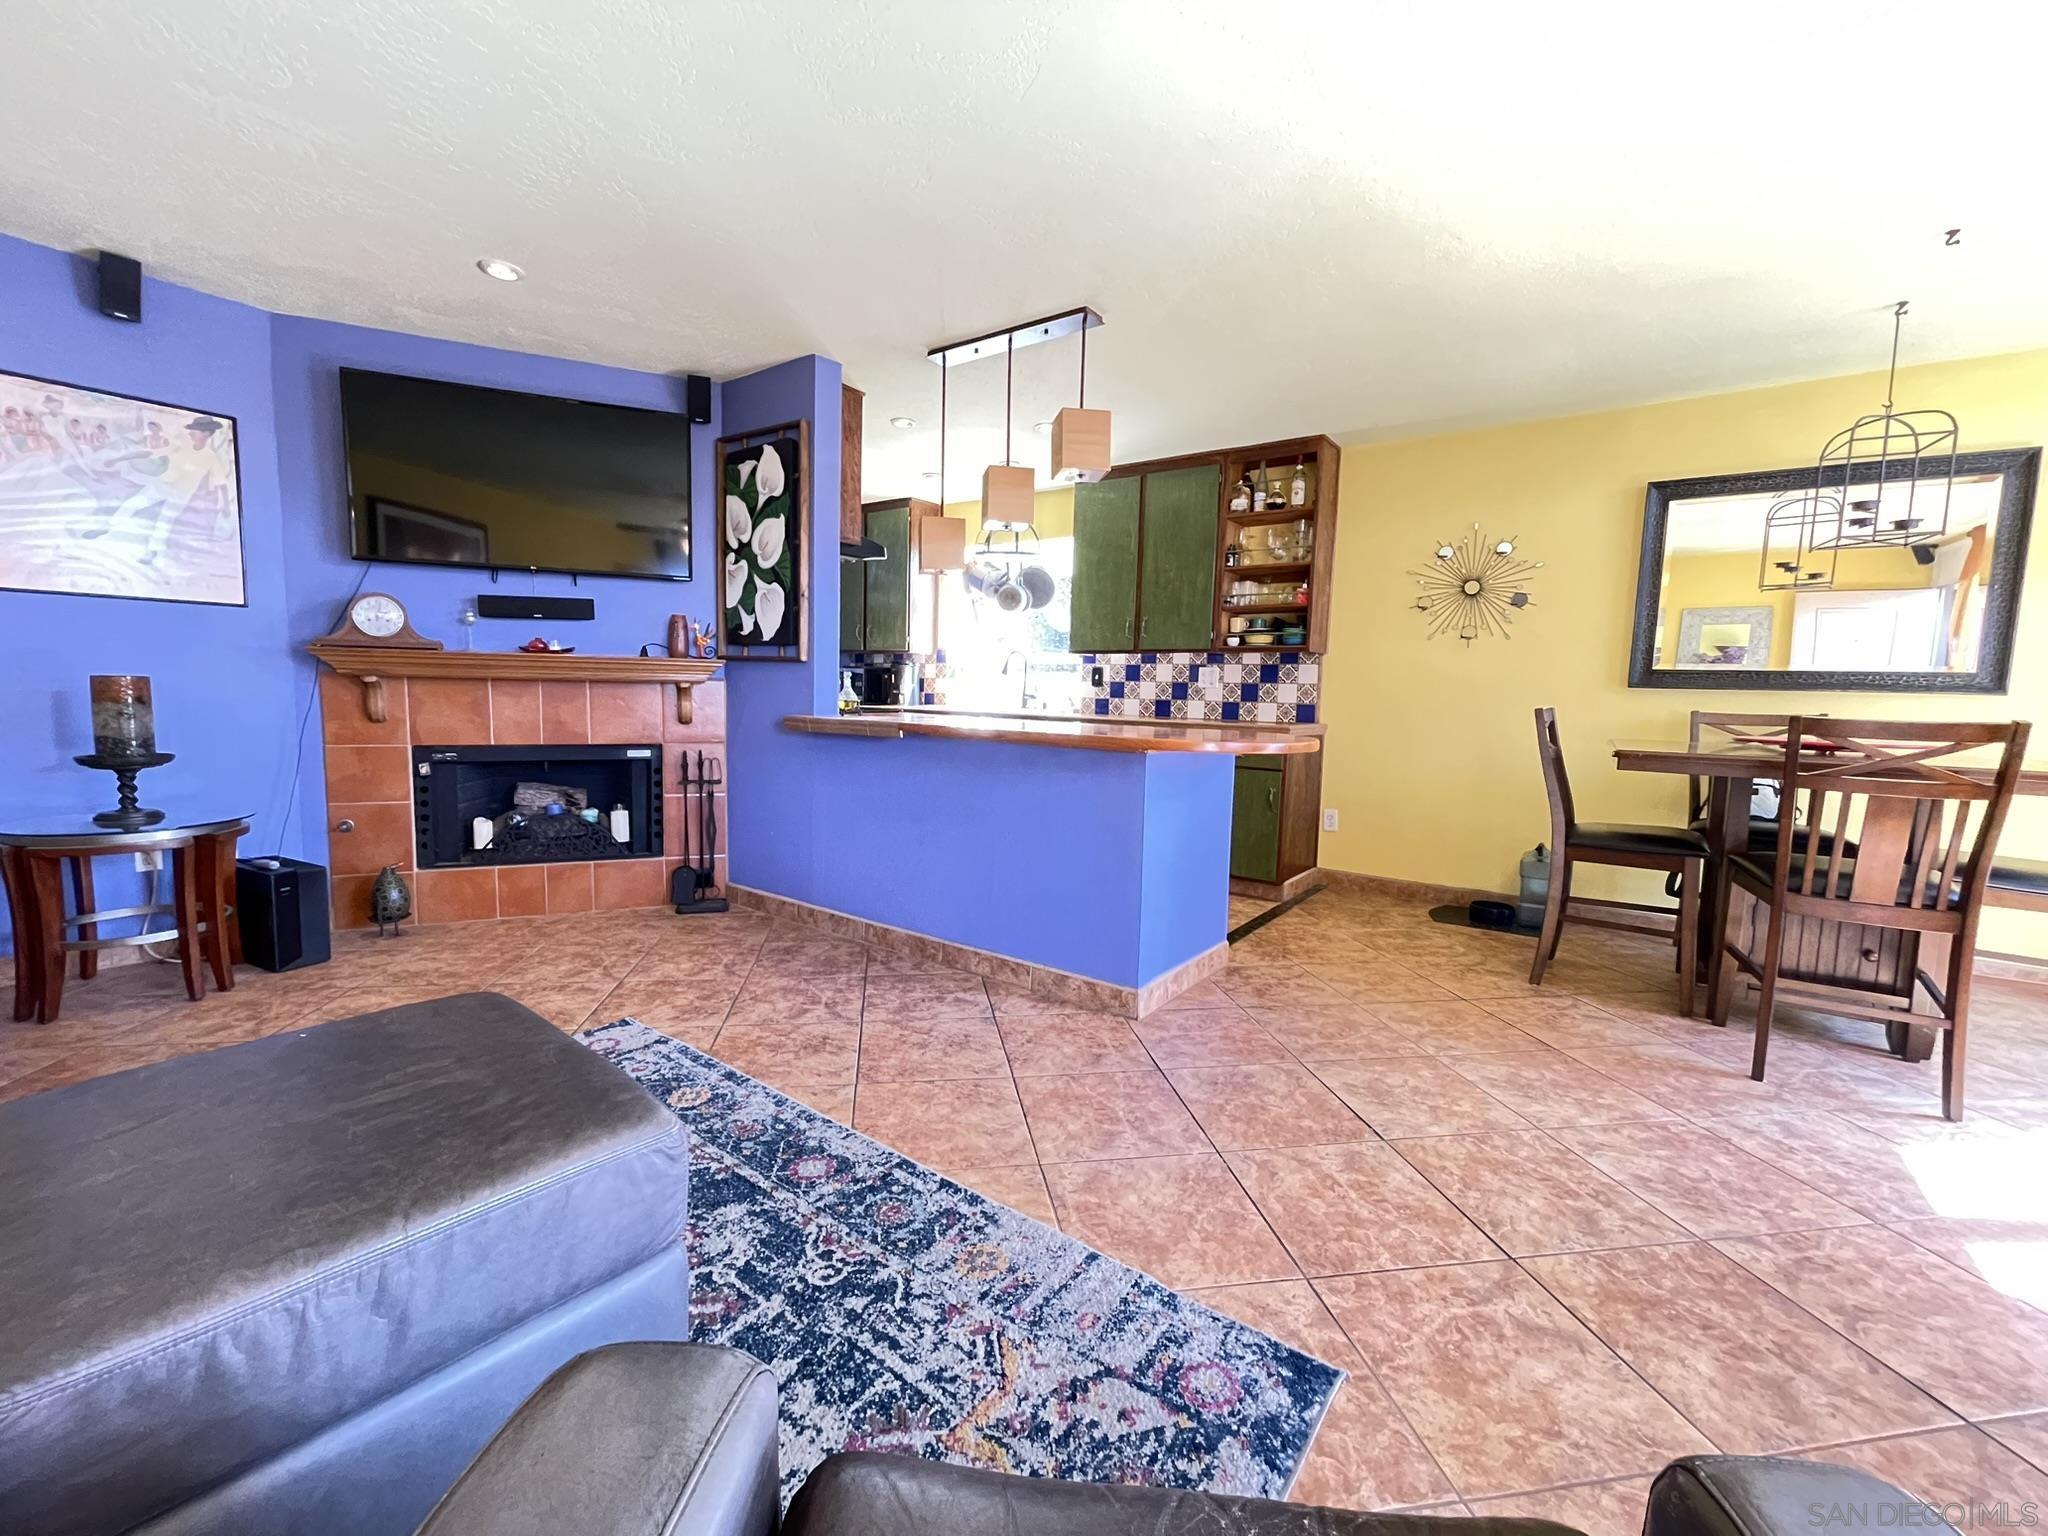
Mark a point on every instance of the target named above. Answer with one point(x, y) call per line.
point(904, 1312)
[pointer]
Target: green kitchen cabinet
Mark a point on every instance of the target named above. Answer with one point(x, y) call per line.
point(1105, 611)
point(853, 605)
point(887, 581)
point(1255, 821)
point(1177, 595)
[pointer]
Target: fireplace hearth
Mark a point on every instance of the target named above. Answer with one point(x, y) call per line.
point(488, 805)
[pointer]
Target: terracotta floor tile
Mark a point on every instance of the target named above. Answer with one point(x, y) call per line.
point(1987, 1358)
point(1364, 1456)
point(977, 1124)
point(1183, 1220)
point(1715, 1342)
point(1709, 1184)
point(1107, 1115)
point(2009, 1256)
point(781, 1054)
point(1207, 1037)
point(792, 955)
point(688, 1013)
point(930, 1050)
point(1062, 1044)
point(1275, 989)
point(1341, 1032)
point(1414, 1096)
point(1203, 994)
point(1550, 1089)
point(1368, 979)
point(771, 1001)
point(1949, 1467)
point(1596, 1509)
point(1266, 1106)
point(920, 998)
point(1565, 1022)
point(1345, 1209)
point(1857, 1167)
point(2027, 1436)
point(1020, 1186)
point(834, 1099)
point(1687, 1083)
point(1454, 1028)
point(1532, 1195)
point(1506, 1388)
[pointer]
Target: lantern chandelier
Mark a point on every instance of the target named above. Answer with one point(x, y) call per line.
point(1882, 482)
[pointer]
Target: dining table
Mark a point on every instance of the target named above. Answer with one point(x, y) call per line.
point(1730, 770)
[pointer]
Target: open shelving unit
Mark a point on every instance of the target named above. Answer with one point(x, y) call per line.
point(1273, 465)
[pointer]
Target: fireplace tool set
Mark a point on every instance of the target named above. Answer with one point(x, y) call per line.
point(692, 885)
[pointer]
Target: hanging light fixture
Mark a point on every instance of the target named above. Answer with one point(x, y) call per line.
point(1799, 549)
point(1008, 491)
point(1890, 473)
point(1080, 437)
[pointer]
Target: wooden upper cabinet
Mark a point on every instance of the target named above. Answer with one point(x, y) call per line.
point(1177, 595)
point(851, 403)
point(1105, 612)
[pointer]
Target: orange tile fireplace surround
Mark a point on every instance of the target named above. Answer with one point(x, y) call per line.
point(369, 783)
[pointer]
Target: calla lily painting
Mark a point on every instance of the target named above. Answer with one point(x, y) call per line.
point(762, 527)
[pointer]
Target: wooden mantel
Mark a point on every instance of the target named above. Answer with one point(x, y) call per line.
point(372, 664)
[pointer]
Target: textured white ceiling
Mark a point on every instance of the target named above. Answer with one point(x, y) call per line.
point(1350, 217)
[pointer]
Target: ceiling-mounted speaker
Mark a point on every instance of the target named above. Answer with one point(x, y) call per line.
point(120, 287)
point(698, 389)
point(1080, 445)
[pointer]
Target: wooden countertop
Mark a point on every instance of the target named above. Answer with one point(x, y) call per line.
point(1051, 731)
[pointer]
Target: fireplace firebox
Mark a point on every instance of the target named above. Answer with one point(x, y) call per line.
point(535, 805)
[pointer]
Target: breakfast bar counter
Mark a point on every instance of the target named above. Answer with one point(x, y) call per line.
point(1098, 735)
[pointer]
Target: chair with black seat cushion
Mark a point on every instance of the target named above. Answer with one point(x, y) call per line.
point(2021, 883)
point(1675, 850)
point(1824, 924)
point(1710, 727)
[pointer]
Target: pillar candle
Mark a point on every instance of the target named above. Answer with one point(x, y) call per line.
point(123, 721)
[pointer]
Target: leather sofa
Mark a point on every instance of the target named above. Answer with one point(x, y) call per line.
point(296, 1284)
point(649, 1440)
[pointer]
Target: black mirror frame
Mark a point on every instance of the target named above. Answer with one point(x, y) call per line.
point(2020, 469)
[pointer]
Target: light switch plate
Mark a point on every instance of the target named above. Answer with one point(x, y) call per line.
point(1329, 820)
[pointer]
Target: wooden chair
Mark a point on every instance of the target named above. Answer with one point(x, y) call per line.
point(1840, 919)
point(2021, 883)
point(1674, 850)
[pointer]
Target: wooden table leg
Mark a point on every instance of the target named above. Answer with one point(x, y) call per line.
point(81, 892)
point(231, 899)
point(1727, 835)
point(46, 880)
point(216, 898)
point(185, 883)
point(21, 912)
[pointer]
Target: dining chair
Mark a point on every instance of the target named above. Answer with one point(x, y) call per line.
point(1674, 850)
point(2020, 883)
point(1706, 725)
point(1834, 923)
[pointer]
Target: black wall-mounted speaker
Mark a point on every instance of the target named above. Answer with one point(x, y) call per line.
point(120, 287)
point(1922, 554)
point(491, 605)
point(699, 390)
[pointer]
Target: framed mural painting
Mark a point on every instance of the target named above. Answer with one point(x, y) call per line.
point(106, 495)
point(764, 520)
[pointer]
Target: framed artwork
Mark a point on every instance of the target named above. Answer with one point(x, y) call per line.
point(1724, 637)
point(112, 496)
point(764, 479)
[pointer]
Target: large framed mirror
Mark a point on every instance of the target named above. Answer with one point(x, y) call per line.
point(1774, 580)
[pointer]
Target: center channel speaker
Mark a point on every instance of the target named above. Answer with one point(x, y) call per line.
point(495, 605)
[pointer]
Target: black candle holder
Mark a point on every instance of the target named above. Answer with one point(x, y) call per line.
point(128, 816)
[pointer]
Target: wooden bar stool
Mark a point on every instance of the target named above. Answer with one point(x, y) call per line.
point(1674, 850)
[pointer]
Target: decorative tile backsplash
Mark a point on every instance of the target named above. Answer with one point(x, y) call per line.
point(1274, 687)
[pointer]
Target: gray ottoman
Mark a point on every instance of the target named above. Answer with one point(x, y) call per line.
point(296, 1284)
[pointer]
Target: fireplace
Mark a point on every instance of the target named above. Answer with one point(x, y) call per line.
point(485, 806)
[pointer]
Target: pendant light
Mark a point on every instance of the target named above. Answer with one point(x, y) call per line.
point(1891, 472)
point(1080, 437)
point(1008, 491)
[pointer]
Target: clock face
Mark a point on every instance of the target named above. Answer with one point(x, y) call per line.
point(377, 616)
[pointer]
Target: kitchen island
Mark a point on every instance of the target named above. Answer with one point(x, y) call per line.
point(1084, 858)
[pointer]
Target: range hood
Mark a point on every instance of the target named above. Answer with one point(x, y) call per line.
point(862, 549)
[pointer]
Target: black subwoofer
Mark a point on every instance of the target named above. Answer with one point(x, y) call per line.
point(283, 913)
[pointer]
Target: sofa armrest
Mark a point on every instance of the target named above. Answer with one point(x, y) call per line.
point(1777, 1496)
point(628, 1440)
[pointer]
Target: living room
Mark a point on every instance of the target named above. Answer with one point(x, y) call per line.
point(512, 1028)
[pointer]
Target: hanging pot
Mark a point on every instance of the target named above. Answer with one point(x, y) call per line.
point(1037, 583)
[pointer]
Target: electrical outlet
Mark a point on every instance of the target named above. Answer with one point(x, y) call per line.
point(149, 861)
point(1095, 677)
point(1329, 820)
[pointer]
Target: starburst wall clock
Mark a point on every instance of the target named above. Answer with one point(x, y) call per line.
point(1475, 587)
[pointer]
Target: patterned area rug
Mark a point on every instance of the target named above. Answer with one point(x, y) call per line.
point(904, 1312)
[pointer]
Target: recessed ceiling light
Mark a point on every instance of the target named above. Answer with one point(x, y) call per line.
point(503, 271)
point(931, 474)
point(902, 421)
point(1042, 428)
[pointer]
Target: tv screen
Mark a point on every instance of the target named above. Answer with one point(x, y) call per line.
point(450, 474)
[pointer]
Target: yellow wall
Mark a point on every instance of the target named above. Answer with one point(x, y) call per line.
point(1052, 514)
point(1431, 752)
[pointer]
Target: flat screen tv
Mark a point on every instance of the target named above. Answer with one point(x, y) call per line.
point(451, 474)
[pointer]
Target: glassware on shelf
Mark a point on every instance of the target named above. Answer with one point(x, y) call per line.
point(1241, 496)
point(1304, 539)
